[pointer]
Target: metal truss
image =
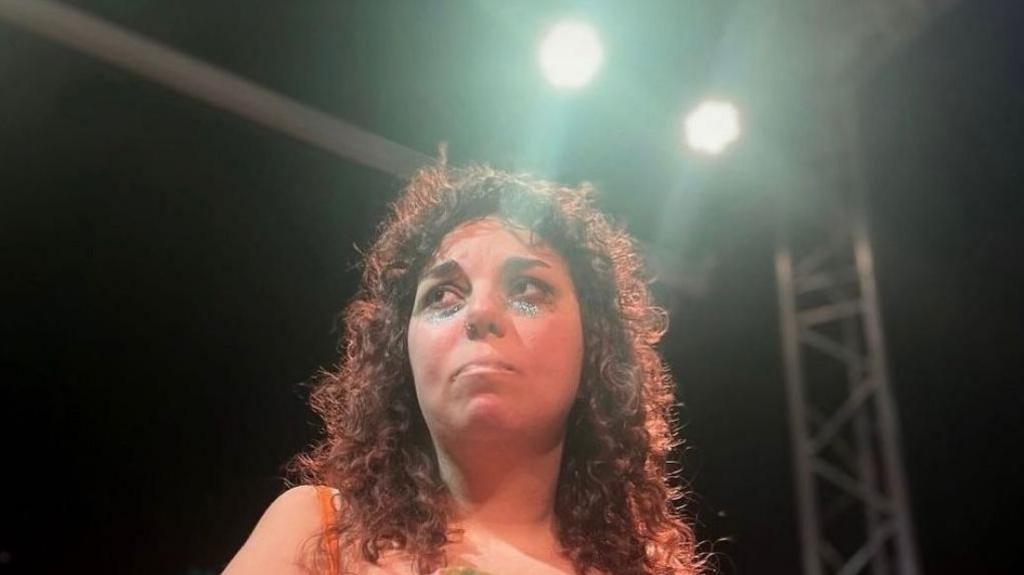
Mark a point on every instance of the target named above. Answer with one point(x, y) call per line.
point(852, 500)
point(851, 492)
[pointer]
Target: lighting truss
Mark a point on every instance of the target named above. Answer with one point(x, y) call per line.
point(851, 490)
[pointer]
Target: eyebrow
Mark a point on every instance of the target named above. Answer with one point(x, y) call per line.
point(518, 264)
point(512, 265)
point(444, 269)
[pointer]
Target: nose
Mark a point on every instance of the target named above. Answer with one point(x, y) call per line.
point(485, 317)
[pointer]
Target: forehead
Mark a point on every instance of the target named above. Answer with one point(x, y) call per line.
point(494, 237)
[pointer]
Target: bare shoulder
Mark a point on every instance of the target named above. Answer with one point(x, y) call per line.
point(284, 539)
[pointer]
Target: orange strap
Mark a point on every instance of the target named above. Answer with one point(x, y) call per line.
point(330, 539)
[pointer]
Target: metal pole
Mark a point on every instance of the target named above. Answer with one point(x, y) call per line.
point(806, 499)
point(895, 477)
point(192, 77)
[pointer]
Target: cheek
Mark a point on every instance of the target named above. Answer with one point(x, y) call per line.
point(429, 345)
point(556, 346)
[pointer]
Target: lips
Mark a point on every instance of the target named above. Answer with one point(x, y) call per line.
point(484, 367)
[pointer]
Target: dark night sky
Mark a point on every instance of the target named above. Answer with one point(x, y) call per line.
point(171, 274)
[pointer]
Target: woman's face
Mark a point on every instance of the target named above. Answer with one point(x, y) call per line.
point(495, 337)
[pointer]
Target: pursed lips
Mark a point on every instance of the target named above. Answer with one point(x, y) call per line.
point(484, 367)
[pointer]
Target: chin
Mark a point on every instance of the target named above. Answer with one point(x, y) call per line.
point(488, 410)
point(488, 420)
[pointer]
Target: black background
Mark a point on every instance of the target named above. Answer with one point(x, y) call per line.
point(171, 274)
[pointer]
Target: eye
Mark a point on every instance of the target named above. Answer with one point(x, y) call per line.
point(529, 289)
point(441, 296)
point(441, 301)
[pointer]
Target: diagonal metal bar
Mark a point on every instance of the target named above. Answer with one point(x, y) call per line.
point(829, 312)
point(831, 348)
point(832, 557)
point(843, 481)
point(875, 541)
point(842, 416)
point(192, 77)
point(844, 452)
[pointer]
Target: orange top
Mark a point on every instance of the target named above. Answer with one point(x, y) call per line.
point(329, 544)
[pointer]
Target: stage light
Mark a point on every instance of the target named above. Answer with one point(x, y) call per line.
point(712, 126)
point(571, 54)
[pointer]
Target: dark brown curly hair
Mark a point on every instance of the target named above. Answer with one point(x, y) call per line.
point(614, 506)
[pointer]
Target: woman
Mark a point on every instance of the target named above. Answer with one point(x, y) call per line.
point(499, 406)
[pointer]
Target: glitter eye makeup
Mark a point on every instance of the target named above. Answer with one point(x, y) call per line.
point(526, 295)
point(523, 307)
point(439, 315)
point(529, 295)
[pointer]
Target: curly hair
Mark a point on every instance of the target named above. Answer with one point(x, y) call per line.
point(614, 506)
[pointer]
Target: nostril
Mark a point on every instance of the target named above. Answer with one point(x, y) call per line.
point(474, 331)
point(494, 328)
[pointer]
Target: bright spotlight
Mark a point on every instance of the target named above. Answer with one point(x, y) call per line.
point(571, 54)
point(712, 126)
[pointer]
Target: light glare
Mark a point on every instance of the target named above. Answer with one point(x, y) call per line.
point(571, 54)
point(712, 126)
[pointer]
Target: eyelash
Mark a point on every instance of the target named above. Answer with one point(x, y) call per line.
point(433, 298)
point(528, 305)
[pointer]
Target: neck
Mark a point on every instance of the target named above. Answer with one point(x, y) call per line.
point(503, 489)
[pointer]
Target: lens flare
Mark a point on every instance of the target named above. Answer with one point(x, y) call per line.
point(571, 54)
point(712, 126)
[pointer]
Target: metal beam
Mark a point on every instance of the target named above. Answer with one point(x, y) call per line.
point(135, 53)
